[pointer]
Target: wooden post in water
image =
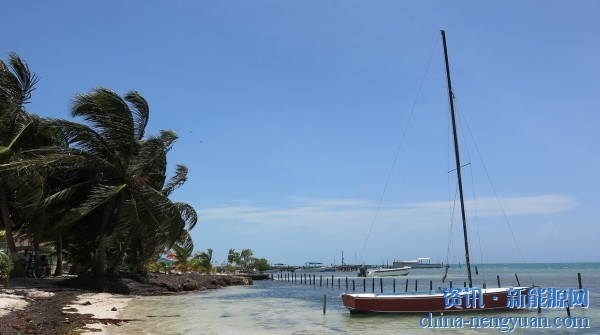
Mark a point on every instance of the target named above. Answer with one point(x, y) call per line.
point(346, 283)
point(364, 284)
point(394, 284)
point(353, 287)
point(373, 286)
point(568, 309)
point(431, 285)
point(324, 303)
point(320, 280)
point(579, 280)
point(465, 284)
point(451, 284)
point(381, 284)
point(406, 288)
point(327, 282)
point(416, 289)
point(498, 278)
point(517, 277)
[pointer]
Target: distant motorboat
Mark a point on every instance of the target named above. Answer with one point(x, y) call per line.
point(391, 272)
point(419, 263)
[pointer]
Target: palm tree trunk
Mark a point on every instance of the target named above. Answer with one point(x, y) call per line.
point(100, 266)
point(124, 247)
point(36, 250)
point(59, 262)
point(10, 240)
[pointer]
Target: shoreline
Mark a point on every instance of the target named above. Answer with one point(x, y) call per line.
point(89, 304)
point(102, 309)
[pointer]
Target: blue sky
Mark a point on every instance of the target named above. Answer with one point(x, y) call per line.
point(290, 114)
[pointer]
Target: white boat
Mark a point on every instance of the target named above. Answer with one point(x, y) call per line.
point(391, 272)
point(419, 263)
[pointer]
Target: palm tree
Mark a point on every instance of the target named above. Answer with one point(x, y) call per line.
point(125, 195)
point(183, 251)
point(202, 261)
point(16, 85)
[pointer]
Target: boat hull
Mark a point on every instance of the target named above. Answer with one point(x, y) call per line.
point(420, 302)
point(394, 272)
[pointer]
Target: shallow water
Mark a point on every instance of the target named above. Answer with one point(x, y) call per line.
point(283, 307)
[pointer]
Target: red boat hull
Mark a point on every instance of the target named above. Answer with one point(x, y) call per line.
point(423, 302)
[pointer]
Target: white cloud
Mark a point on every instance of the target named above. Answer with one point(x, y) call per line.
point(334, 214)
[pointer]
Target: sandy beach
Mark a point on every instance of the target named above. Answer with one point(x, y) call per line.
point(88, 304)
point(101, 307)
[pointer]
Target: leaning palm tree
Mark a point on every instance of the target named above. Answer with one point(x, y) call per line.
point(16, 85)
point(129, 172)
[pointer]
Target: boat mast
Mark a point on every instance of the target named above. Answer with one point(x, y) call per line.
point(457, 155)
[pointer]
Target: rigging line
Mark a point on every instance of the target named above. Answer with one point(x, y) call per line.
point(496, 195)
point(462, 119)
point(450, 249)
point(405, 131)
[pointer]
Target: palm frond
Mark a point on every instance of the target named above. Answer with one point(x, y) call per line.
point(81, 136)
point(188, 214)
point(177, 180)
point(141, 113)
point(25, 78)
point(67, 195)
point(109, 116)
point(168, 138)
point(19, 134)
point(150, 162)
point(98, 196)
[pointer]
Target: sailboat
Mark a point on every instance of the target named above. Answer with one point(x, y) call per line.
point(440, 300)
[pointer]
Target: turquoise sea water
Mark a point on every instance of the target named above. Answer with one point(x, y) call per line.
point(284, 307)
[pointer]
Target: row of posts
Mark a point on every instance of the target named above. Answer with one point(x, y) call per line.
point(308, 279)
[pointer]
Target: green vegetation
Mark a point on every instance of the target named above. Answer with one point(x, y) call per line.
point(246, 261)
point(97, 189)
point(202, 262)
point(5, 267)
